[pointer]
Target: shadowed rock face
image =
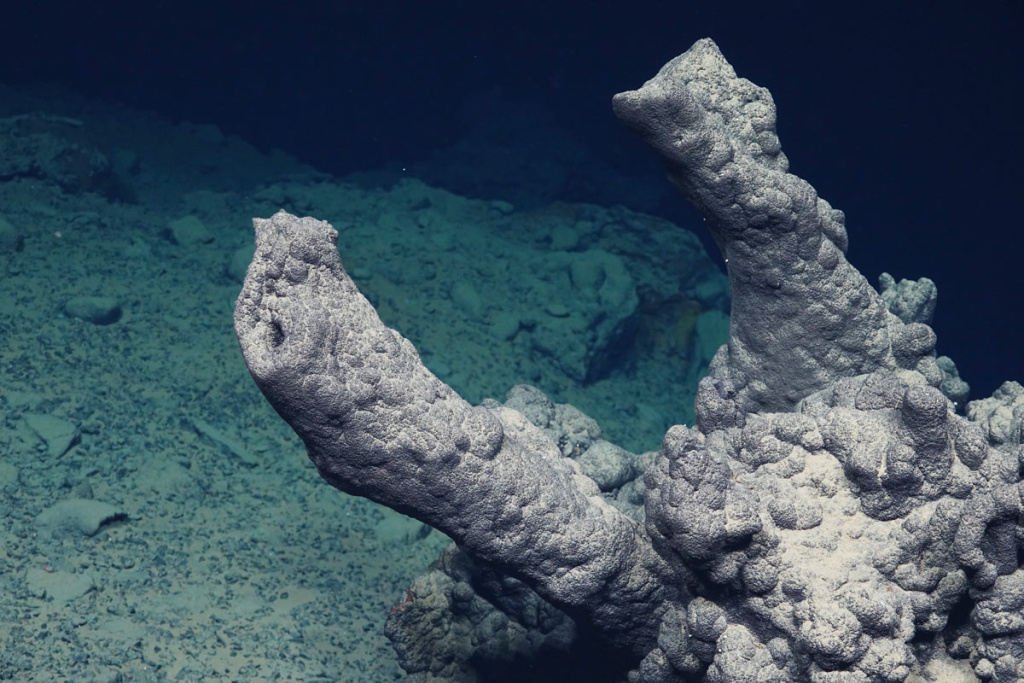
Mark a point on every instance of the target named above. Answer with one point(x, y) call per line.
point(829, 518)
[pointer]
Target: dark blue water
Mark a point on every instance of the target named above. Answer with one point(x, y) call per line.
point(904, 115)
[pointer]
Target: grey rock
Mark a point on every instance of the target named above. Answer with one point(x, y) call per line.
point(607, 464)
point(1001, 415)
point(829, 518)
point(715, 133)
point(457, 612)
point(912, 301)
point(550, 523)
point(532, 404)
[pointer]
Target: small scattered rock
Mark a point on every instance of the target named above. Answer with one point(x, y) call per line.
point(10, 239)
point(231, 443)
point(58, 434)
point(564, 238)
point(503, 207)
point(189, 231)
point(467, 299)
point(9, 475)
point(98, 310)
point(58, 586)
point(78, 515)
point(504, 325)
point(557, 310)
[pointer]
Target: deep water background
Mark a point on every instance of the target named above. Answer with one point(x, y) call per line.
point(905, 115)
point(492, 209)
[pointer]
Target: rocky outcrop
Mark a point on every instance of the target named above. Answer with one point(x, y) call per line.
point(829, 518)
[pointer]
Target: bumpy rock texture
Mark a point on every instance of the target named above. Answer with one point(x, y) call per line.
point(829, 518)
